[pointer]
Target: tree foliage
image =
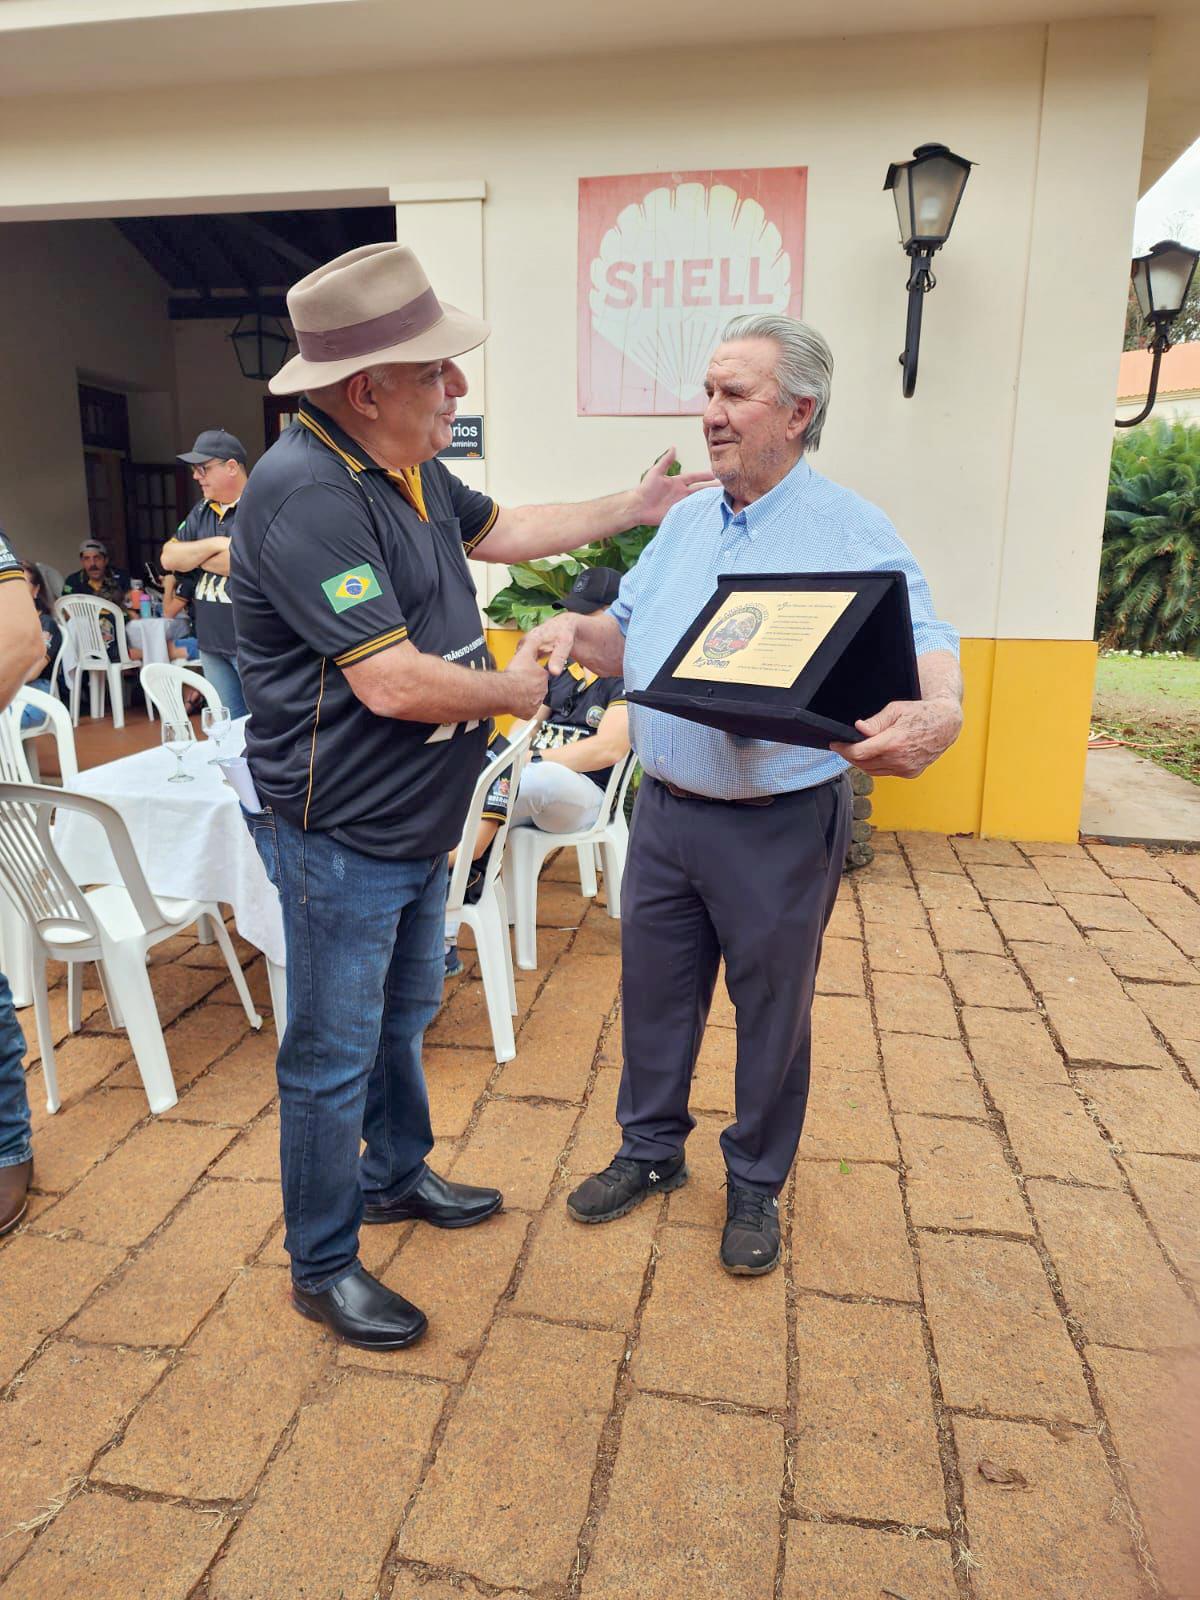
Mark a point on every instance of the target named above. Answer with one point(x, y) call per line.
point(1149, 596)
point(537, 588)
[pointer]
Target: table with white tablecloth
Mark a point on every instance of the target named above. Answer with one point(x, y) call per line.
point(190, 838)
point(154, 636)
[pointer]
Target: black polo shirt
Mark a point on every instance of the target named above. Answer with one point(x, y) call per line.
point(212, 607)
point(334, 561)
point(577, 706)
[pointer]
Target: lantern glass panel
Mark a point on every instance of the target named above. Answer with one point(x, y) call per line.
point(937, 184)
point(902, 194)
point(1169, 273)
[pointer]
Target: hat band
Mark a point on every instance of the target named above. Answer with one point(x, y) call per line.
point(378, 333)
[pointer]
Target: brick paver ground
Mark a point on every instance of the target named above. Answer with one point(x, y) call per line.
point(975, 1376)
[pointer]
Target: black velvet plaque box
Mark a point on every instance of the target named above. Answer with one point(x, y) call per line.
point(766, 625)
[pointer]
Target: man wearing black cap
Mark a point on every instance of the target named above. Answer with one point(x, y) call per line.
point(585, 734)
point(199, 552)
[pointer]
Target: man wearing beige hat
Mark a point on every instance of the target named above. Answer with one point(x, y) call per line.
point(365, 669)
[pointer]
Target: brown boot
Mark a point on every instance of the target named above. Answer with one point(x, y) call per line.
point(14, 1189)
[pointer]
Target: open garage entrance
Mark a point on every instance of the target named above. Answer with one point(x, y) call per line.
point(122, 351)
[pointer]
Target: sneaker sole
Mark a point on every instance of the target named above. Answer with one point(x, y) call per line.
point(362, 1344)
point(751, 1272)
point(677, 1182)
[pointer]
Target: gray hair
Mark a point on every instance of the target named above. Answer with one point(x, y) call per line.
point(804, 370)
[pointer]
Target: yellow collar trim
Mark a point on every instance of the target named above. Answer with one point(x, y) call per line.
point(407, 479)
point(220, 510)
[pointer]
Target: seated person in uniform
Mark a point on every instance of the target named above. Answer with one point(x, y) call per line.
point(31, 717)
point(177, 602)
point(495, 811)
point(96, 577)
point(585, 734)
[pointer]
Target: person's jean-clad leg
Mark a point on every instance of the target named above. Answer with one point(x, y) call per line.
point(221, 671)
point(363, 940)
point(15, 1145)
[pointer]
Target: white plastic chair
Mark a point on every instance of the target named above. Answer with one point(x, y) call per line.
point(15, 948)
point(57, 726)
point(528, 848)
point(81, 613)
point(115, 926)
point(163, 683)
point(488, 916)
point(18, 764)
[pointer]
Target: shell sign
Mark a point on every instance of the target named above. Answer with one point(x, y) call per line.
point(665, 260)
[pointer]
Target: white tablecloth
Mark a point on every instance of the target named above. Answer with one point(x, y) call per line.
point(190, 838)
point(153, 635)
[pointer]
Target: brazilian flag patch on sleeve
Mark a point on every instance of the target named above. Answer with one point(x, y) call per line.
point(351, 588)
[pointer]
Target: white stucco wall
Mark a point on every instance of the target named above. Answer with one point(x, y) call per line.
point(994, 477)
point(211, 390)
point(78, 302)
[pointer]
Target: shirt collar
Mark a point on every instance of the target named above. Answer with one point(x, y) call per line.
point(759, 511)
point(352, 454)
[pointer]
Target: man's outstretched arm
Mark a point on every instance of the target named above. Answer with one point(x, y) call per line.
point(522, 533)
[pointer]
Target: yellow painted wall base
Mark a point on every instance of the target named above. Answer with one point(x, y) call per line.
point(1037, 738)
point(1017, 769)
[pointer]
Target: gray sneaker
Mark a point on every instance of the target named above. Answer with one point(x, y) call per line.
point(623, 1184)
point(750, 1242)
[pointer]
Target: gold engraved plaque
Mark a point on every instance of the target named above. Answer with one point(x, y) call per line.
point(763, 636)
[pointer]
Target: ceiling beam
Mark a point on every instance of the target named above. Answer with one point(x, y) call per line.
point(250, 228)
point(197, 308)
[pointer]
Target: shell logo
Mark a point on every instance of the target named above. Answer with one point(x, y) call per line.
point(667, 271)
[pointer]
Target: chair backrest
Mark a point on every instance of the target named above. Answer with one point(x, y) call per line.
point(512, 761)
point(52, 579)
point(163, 684)
point(48, 705)
point(616, 789)
point(14, 763)
point(46, 894)
point(82, 613)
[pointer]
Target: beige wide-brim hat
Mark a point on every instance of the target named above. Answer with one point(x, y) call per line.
point(371, 306)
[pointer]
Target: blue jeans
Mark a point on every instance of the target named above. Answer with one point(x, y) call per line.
point(14, 1103)
point(31, 717)
point(222, 672)
point(364, 980)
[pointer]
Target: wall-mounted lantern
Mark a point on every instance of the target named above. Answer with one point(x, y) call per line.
point(261, 346)
point(927, 191)
point(1161, 280)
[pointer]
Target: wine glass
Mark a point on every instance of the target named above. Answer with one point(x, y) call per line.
point(216, 722)
point(177, 736)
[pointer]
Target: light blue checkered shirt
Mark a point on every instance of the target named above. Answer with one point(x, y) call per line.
point(805, 524)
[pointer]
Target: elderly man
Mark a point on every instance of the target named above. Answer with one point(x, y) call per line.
point(737, 844)
point(199, 555)
point(366, 673)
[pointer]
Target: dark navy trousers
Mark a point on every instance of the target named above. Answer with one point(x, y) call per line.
point(754, 885)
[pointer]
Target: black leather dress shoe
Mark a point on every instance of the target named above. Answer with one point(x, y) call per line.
point(363, 1312)
point(437, 1200)
point(14, 1191)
